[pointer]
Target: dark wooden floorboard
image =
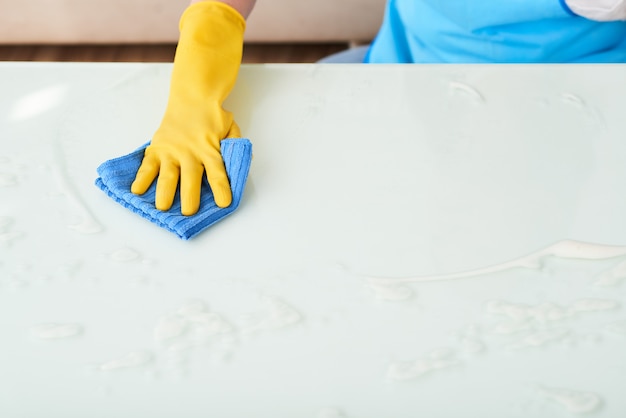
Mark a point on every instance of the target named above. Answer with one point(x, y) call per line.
point(253, 53)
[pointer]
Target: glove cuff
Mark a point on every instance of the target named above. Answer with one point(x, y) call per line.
point(211, 18)
point(209, 52)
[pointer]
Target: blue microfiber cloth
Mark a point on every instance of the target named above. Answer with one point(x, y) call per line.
point(117, 175)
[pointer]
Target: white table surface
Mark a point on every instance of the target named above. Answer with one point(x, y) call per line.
point(358, 172)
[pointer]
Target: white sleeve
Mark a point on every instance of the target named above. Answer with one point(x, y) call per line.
point(600, 10)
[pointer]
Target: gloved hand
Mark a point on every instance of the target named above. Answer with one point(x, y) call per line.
point(187, 142)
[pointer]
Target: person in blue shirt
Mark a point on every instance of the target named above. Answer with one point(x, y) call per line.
point(413, 31)
point(488, 31)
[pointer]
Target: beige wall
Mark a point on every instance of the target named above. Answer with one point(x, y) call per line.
point(129, 21)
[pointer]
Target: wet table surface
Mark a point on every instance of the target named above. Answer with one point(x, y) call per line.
point(413, 241)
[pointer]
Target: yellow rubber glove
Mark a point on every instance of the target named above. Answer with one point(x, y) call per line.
point(187, 144)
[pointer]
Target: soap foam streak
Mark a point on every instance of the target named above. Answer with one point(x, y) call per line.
point(568, 249)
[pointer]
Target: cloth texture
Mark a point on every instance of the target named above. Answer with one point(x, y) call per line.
point(117, 175)
point(493, 31)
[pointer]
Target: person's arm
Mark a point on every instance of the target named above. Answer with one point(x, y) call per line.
point(187, 143)
point(244, 7)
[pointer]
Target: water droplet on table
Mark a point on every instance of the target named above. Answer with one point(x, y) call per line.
point(574, 402)
point(170, 327)
point(133, 359)
point(125, 255)
point(8, 180)
point(56, 331)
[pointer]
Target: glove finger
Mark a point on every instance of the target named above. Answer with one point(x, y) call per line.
point(166, 185)
point(190, 183)
point(147, 172)
point(216, 175)
point(234, 131)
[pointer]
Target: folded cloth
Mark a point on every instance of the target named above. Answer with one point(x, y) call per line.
point(117, 175)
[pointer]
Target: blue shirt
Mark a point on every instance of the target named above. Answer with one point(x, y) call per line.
point(486, 31)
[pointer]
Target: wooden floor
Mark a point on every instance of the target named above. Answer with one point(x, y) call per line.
point(253, 53)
